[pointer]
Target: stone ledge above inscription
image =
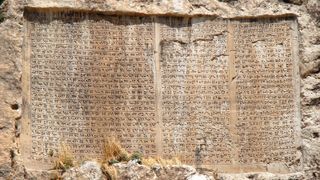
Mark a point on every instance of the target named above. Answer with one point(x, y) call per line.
point(164, 7)
point(218, 93)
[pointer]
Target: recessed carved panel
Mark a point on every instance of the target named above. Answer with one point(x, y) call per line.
point(216, 93)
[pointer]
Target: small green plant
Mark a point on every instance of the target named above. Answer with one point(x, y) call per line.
point(112, 161)
point(1, 17)
point(123, 156)
point(136, 155)
point(1, 13)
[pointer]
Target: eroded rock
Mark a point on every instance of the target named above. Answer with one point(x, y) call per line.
point(89, 170)
point(11, 39)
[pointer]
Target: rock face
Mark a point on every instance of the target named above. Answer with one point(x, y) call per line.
point(175, 172)
point(11, 39)
point(11, 66)
point(89, 170)
point(134, 171)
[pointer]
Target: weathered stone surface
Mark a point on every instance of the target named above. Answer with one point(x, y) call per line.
point(261, 176)
point(136, 171)
point(10, 88)
point(175, 171)
point(89, 170)
point(198, 177)
point(297, 2)
point(307, 18)
point(173, 7)
point(182, 68)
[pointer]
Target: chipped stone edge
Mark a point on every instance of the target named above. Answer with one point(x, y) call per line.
point(219, 9)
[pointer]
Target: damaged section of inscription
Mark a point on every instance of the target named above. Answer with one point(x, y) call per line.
point(195, 102)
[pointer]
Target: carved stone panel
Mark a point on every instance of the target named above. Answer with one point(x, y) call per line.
point(91, 77)
point(217, 93)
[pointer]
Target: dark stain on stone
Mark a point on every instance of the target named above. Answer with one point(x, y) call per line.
point(15, 106)
point(314, 102)
point(315, 135)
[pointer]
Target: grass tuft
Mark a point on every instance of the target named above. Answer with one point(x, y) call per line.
point(65, 159)
point(113, 151)
point(110, 172)
point(136, 156)
point(123, 156)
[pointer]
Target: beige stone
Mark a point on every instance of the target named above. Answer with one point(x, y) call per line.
point(136, 171)
point(216, 93)
point(11, 39)
point(88, 170)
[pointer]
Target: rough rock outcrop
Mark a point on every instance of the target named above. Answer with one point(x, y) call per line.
point(89, 170)
point(136, 171)
point(11, 62)
point(11, 40)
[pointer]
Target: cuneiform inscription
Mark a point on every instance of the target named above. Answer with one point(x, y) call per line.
point(91, 78)
point(228, 91)
point(195, 100)
point(212, 92)
point(265, 94)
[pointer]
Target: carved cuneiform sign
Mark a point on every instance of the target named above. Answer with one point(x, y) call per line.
point(216, 93)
